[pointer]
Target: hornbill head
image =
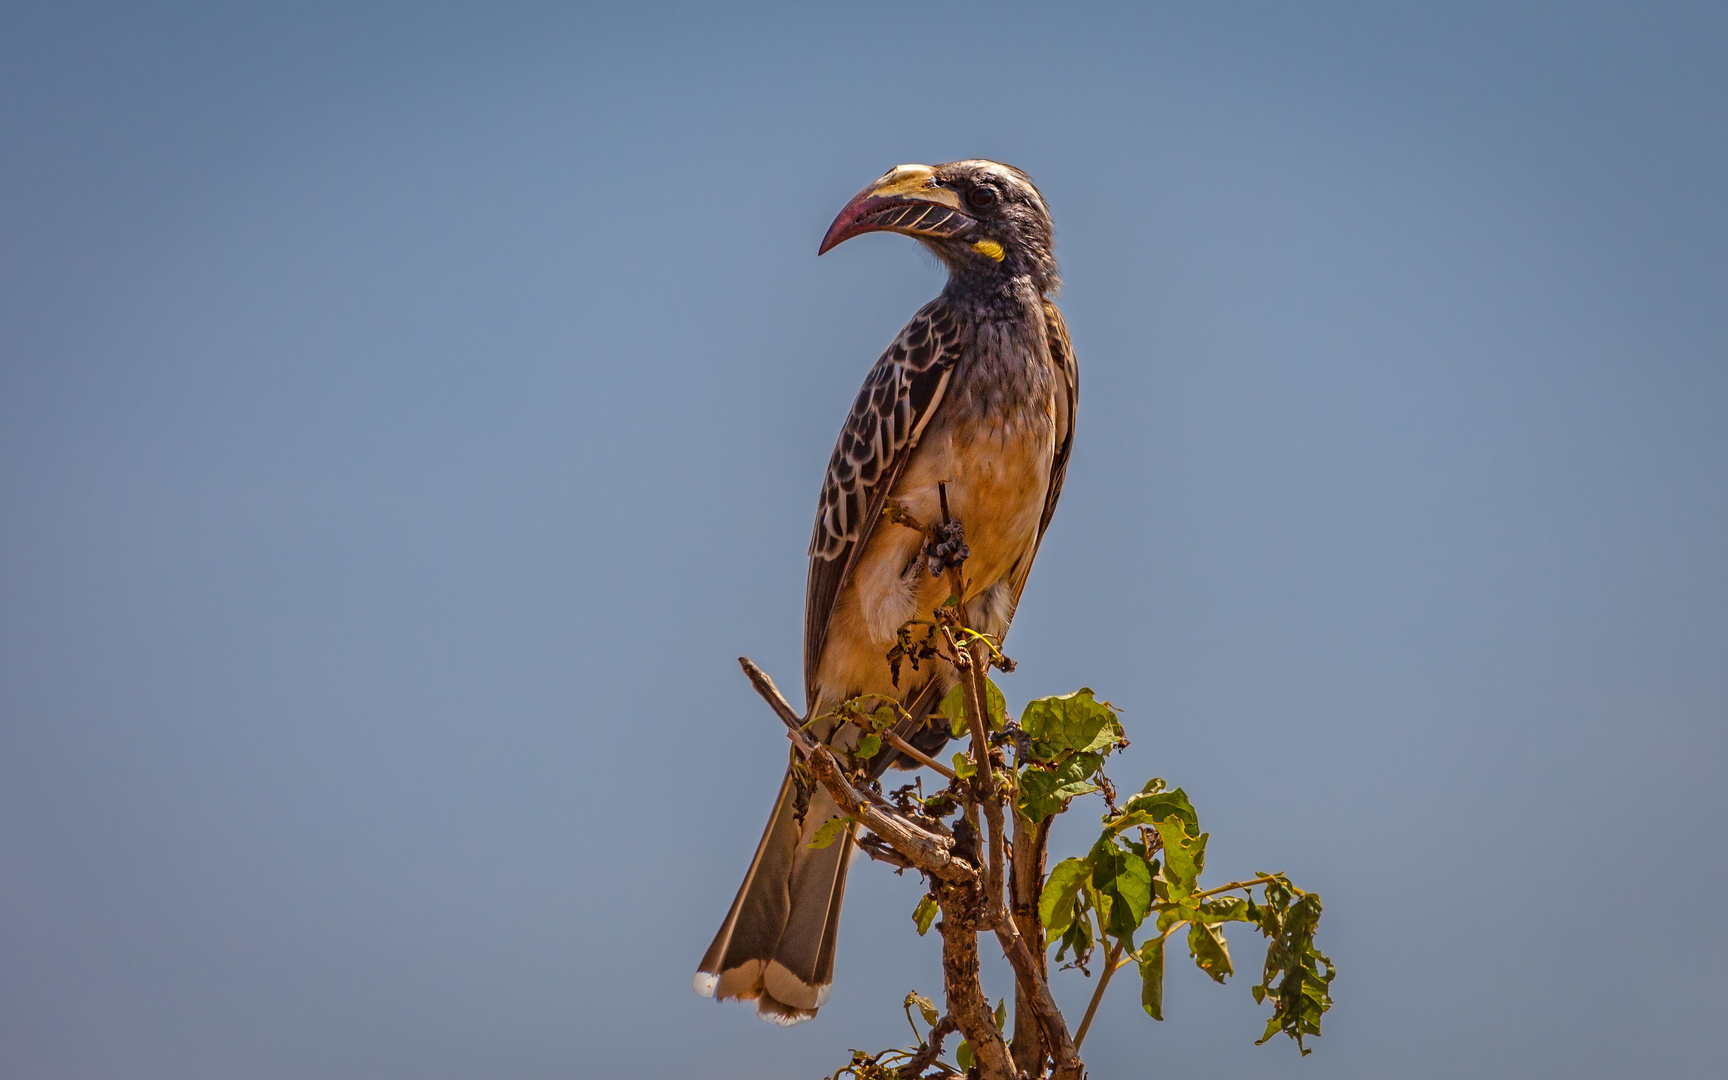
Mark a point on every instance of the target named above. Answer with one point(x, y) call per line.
point(983, 219)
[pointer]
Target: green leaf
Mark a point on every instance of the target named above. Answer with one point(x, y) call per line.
point(1125, 879)
point(1297, 977)
point(925, 1006)
point(1227, 909)
point(868, 747)
point(1149, 808)
point(995, 704)
point(1056, 903)
point(830, 831)
point(1152, 978)
point(1001, 1013)
point(1211, 952)
point(924, 915)
point(1044, 791)
point(1184, 855)
point(963, 766)
point(1069, 723)
point(963, 1055)
point(953, 706)
point(1077, 939)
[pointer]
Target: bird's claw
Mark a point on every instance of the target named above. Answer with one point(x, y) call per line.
point(946, 547)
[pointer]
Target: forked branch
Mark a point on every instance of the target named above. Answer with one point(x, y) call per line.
point(925, 850)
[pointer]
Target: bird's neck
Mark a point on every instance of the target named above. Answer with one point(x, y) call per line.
point(992, 297)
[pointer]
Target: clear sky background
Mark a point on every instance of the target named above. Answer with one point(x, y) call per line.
point(408, 413)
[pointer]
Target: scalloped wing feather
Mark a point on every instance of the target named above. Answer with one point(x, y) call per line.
point(898, 398)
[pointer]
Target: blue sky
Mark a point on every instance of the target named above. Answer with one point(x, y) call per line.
point(408, 413)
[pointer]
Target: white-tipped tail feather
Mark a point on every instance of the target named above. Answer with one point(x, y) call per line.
point(775, 1013)
point(776, 947)
point(790, 990)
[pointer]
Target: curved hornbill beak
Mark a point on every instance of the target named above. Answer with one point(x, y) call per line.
point(908, 200)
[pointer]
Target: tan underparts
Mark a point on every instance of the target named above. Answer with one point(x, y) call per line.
point(996, 485)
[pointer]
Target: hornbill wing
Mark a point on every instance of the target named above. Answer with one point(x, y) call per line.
point(899, 396)
point(1067, 404)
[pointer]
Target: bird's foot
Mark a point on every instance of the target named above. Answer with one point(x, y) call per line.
point(946, 547)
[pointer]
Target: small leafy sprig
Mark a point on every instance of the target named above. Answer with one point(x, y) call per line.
point(1136, 886)
point(1146, 863)
point(1139, 884)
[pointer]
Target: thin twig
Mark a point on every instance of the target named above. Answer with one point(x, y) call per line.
point(983, 785)
point(1134, 957)
point(932, 1049)
point(883, 852)
point(918, 755)
point(1110, 966)
point(924, 849)
point(771, 694)
point(1263, 880)
point(972, 668)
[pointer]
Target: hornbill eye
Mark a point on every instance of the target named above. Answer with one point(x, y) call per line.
point(981, 197)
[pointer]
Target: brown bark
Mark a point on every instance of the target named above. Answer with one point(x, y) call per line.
point(926, 1057)
point(1032, 987)
point(968, 877)
point(1025, 886)
point(926, 850)
point(966, 1001)
point(1061, 1048)
point(970, 661)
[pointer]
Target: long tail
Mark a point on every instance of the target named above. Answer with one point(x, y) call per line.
point(776, 946)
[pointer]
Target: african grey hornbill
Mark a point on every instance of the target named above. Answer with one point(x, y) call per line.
point(977, 394)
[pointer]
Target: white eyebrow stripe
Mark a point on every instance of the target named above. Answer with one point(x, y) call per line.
point(1007, 175)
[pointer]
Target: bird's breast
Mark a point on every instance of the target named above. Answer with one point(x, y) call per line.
point(994, 468)
point(990, 449)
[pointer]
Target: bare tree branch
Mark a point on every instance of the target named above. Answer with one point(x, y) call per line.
point(968, 661)
point(917, 755)
point(882, 851)
point(926, 850)
point(966, 1001)
point(972, 897)
point(1025, 884)
point(923, 1059)
point(1061, 1048)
